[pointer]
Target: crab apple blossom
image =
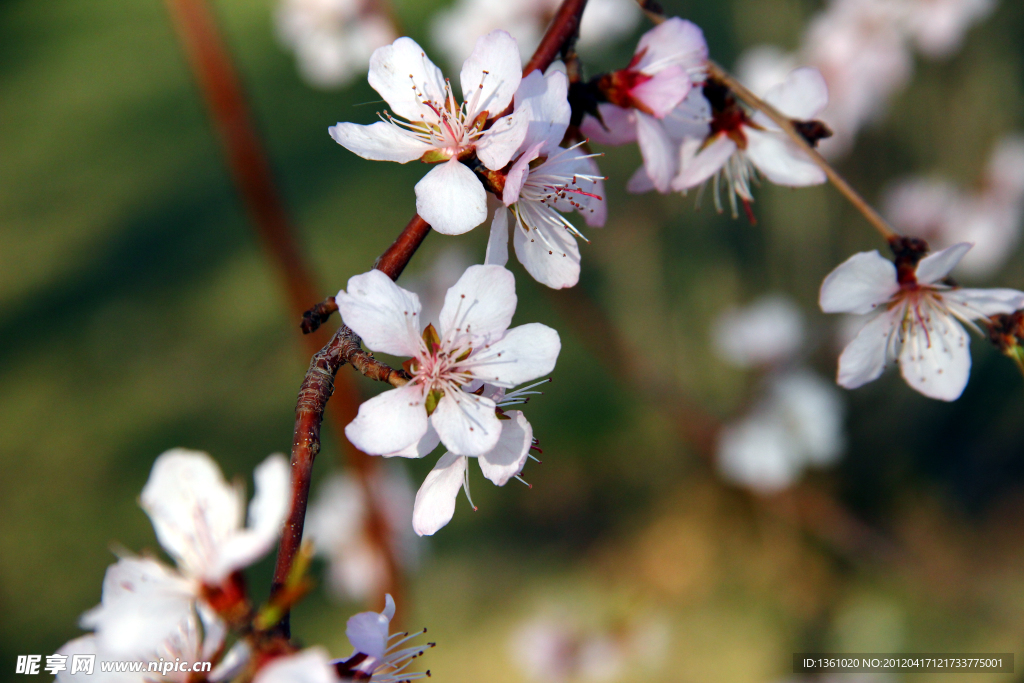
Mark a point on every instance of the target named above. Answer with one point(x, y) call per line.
point(435, 501)
point(473, 342)
point(543, 181)
point(379, 655)
point(740, 146)
point(436, 128)
point(912, 317)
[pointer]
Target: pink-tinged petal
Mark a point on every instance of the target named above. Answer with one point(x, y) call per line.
point(144, 603)
point(492, 73)
point(481, 304)
point(312, 665)
point(466, 423)
point(675, 41)
point(937, 361)
point(389, 422)
point(859, 284)
point(193, 509)
point(664, 91)
point(699, 161)
point(389, 607)
point(660, 153)
point(267, 512)
point(451, 198)
point(691, 119)
point(518, 174)
point(802, 96)
point(525, 353)
point(497, 243)
point(978, 303)
point(422, 448)
point(616, 127)
point(543, 101)
point(499, 143)
point(780, 160)
point(384, 315)
point(368, 633)
point(507, 458)
point(935, 267)
point(405, 77)
point(552, 260)
point(864, 358)
point(379, 141)
point(639, 182)
point(435, 501)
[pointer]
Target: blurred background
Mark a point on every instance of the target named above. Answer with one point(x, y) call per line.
point(138, 312)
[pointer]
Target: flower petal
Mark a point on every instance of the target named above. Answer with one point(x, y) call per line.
point(193, 509)
point(517, 175)
point(384, 315)
point(405, 77)
point(802, 96)
point(481, 303)
point(390, 421)
point(781, 161)
point(699, 160)
point(552, 259)
point(935, 267)
point(312, 665)
point(267, 512)
point(435, 501)
point(865, 358)
point(674, 41)
point(543, 100)
point(497, 243)
point(492, 73)
point(936, 360)
point(639, 182)
point(524, 353)
point(466, 423)
point(758, 453)
point(985, 302)
point(368, 633)
point(451, 198)
point(507, 458)
point(664, 91)
point(659, 152)
point(618, 128)
point(379, 141)
point(496, 147)
point(859, 284)
point(420, 449)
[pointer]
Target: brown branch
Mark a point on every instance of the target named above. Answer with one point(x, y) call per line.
point(562, 32)
point(318, 315)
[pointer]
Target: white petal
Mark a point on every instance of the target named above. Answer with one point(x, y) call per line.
point(497, 243)
point(435, 501)
point(379, 141)
point(553, 260)
point(389, 607)
point(699, 161)
point(507, 458)
point(451, 198)
point(311, 665)
point(640, 182)
point(481, 303)
point(384, 315)
point(543, 100)
point(659, 151)
point(193, 509)
point(935, 267)
point(859, 284)
point(675, 41)
point(937, 361)
point(405, 77)
point(368, 633)
point(389, 422)
point(619, 125)
point(780, 160)
point(664, 91)
point(517, 175)
point(232, 663)
point(986, 302)
point(466, 423)
point(802, 96)
point(758, 453)
point(267, 512)
point(87, 645)
point(813, 410)
point(496, 147)
point(525, 353)
point(492, 73)
point(864, 358)
point(422, 448)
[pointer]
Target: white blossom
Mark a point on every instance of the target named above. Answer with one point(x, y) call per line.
point(473, 342)
point(436, 128)
point(916, 320)
point(765, 332)
point(312, 665)
point(378, 654)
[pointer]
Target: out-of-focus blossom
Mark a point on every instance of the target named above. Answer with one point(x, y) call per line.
point(937, 27)
point(455, 29)
point(473, 343)
point(379, 656)
point(740, 146)
point(768, 331)
point(916, 319)
point(797, 423)
point(311, 665)
point(436, 128)
point(332, 39)
point(337, 525)
point(544, 181)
